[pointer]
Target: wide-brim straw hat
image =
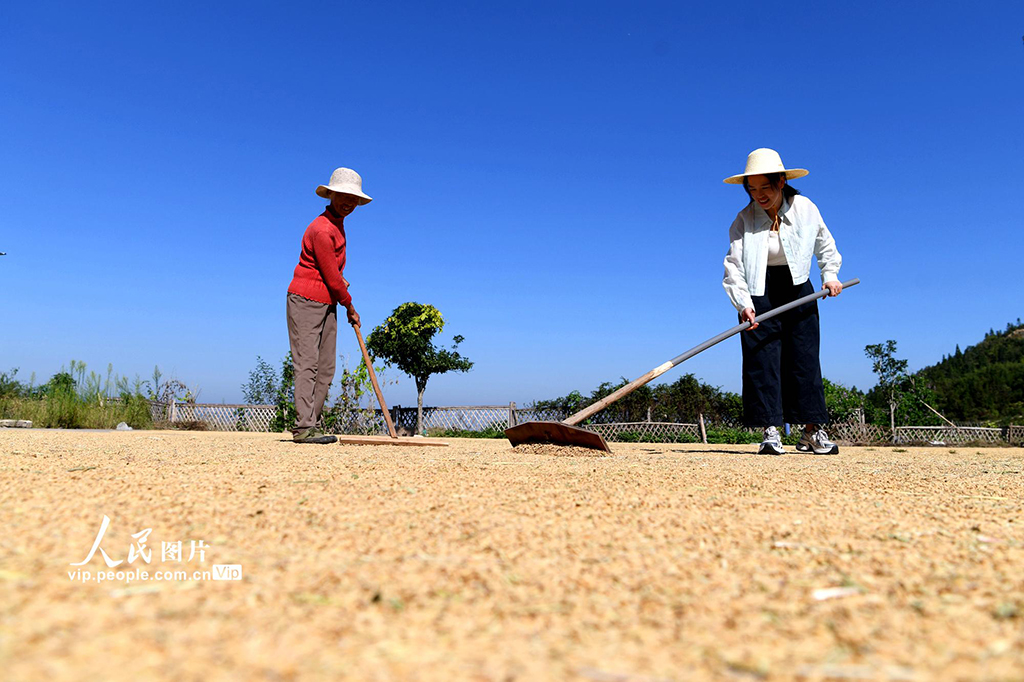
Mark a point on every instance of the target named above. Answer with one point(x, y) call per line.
point(762, 162)
point(345, 181)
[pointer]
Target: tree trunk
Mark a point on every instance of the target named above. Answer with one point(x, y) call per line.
point(892, 418)
point(419, 410)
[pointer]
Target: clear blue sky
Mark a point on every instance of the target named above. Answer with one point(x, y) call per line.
point(548, 174)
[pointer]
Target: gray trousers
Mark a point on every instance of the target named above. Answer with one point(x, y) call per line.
point(313, 336)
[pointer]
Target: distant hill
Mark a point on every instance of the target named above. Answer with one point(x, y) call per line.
point(984, 383)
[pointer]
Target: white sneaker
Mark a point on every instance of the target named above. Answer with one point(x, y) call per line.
point(772, 444)
point(818, 443)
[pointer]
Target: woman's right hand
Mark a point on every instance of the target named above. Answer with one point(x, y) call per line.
point(353, 316)
point(748, 315)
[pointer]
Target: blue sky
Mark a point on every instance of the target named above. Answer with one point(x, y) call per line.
point(549, 175)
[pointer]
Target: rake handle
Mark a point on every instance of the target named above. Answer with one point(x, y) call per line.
point(376, 386)
point(661, 369)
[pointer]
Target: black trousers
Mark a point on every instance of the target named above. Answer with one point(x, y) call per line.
point(781, 370)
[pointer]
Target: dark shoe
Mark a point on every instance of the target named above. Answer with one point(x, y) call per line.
point(315, 436)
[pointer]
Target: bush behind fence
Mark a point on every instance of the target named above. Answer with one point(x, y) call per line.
point(498, 417)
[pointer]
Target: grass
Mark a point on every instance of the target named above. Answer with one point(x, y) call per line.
point(68, 410)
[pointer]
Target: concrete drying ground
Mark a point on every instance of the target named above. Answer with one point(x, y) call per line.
point(477, 562)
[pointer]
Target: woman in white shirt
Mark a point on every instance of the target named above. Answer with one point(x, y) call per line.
point(771, 244)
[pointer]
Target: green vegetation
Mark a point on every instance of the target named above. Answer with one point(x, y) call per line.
point(71, 399)
point(682, 401)
point(353, 403)
point(984, 383)
point(405, 340)
point(492, 431)
point(679, 402)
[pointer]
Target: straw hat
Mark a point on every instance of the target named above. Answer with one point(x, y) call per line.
point(762, 162)
point(346, 181)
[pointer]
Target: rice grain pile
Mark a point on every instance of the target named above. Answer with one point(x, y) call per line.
point(551, 450)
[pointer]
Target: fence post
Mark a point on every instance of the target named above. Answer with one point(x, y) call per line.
point(172, 411)
point(703, 433)
point(648, 414)
point(511, 414)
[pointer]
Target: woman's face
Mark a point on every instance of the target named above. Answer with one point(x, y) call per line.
point(764, 195)
point(344, 203)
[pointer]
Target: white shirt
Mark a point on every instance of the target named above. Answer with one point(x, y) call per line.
point(776, 256)
point(802, 234)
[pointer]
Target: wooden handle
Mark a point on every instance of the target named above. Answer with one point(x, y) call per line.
point(664, 367)
point(625, 390)
point(376, 386)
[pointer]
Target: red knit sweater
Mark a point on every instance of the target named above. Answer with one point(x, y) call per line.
point(318, 276)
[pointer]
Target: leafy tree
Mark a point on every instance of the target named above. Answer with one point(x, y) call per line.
point(262, 386)
point(10, 386)
point(982, 383)
point(842, 402)
point(891, 372)
point(680, 401)
point(629, 408)
point(353, 410)
point(348, 413)
point(687, 397)
point(405, 340)
point(285, 415)
point(569, 404)
point(61, 382)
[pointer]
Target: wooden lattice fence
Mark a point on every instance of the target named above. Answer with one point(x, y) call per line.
point(498, 417)
point(360, 422)
point(530, 414)
point(223, 417)
point(475, 418)
point(948, 435)
point(648, 432)
point(158, 411)
point(856, 433)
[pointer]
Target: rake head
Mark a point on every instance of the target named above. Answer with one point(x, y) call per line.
point(555, 433)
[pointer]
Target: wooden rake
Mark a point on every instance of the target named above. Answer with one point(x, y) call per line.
point(393, 438)
point(567, 433)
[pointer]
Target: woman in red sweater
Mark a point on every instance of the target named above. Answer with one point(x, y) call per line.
point(317, 289)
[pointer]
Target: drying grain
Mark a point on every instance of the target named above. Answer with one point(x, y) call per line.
point(551, 450)
point(479, 562)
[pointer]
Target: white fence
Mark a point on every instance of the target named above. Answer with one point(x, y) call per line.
point(496, 418)
point(949, 435)
point(215, 417)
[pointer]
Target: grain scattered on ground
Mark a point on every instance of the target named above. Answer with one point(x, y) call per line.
point(552, 450)
point(480, 562)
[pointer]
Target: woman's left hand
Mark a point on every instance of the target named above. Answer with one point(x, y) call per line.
point(834, 288)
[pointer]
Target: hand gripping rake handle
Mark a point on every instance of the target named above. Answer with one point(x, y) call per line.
point(661, 369)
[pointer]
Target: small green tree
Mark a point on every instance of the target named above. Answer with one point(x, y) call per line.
point(569, 404)
point(285, 415)
point(891, 372)
point(261, 388)
point(405, 340)
point(10, 386)
point(842, 402)
point(61, 382)
point(353, 410)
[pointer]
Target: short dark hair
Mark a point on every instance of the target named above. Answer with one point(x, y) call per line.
point(788, 190)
